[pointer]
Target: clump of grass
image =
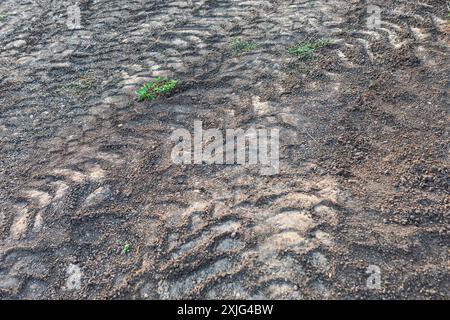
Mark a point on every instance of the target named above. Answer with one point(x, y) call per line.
point(80, 86)
point(87, 81)
point(126, 249)
point(156, 88)
point(238, 45)
point(2, 16)
point(305, 50)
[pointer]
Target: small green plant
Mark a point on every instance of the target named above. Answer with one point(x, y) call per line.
point(126, 249)
point(79, 87)
point(2, 16)
point(305, 50)
point(238, 45)
point(86, 81)
point(156, 88)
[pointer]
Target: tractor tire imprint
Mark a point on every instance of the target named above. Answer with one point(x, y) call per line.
point(92, 206)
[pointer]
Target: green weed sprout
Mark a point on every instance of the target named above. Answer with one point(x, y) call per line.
point(237, 45)
point(305, 50)
point(156, 88)
point(126, 249)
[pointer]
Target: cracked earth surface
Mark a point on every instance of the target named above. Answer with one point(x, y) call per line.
point(86, 168)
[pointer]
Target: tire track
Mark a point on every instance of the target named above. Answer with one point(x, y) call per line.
point(86, 168)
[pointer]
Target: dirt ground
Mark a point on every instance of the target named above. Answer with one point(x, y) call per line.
point(85, 168)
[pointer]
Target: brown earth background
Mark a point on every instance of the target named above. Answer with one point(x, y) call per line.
point(85, 168)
